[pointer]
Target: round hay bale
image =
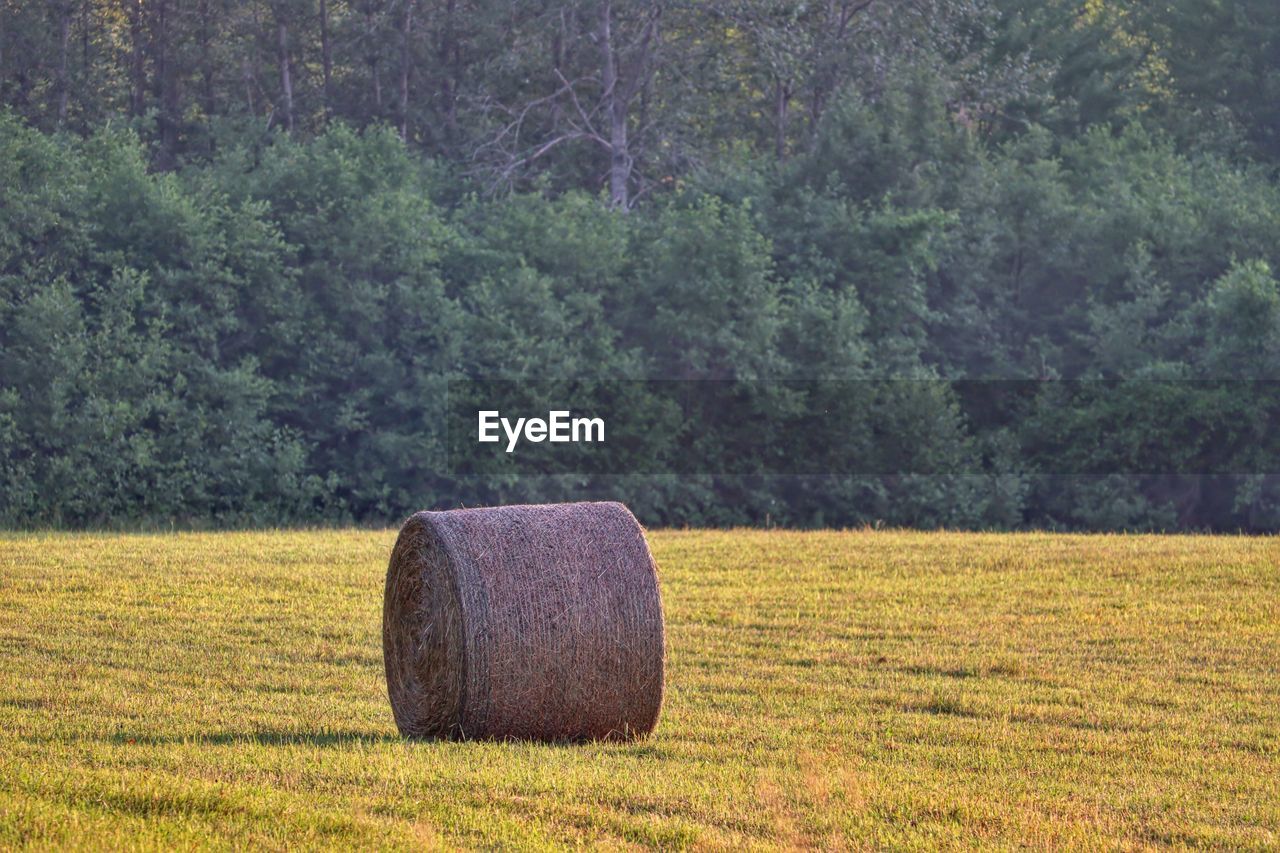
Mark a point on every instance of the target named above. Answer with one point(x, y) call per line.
point(529, 622)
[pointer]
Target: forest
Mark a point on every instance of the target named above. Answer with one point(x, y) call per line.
point(248, 248)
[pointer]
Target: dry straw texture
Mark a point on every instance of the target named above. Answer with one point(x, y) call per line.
point(531, 622)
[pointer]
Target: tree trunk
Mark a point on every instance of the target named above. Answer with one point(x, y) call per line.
point(781, 106)
point(326, 58)
point(85, 33)
point(406, 66)
point(166, 85)
point(372, 57)
point(557, 64)
point(249, 67)
point(249, 79)
point(64, 41)
point(619, 156)
point(137, 61)
point(206, 61)
point(448, 60)
point(832, 71)
point(286, 82)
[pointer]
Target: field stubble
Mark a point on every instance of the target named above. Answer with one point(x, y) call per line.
point(834, 689)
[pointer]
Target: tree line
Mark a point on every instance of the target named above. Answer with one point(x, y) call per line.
point(245, 246)
point(631, 95)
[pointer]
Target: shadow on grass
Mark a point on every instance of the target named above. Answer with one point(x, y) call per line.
point(330, 738)
point(941, 672)
point(326, 738)
point(943, 706)
point(262, 737)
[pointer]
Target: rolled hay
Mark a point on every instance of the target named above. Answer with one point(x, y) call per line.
point(525, 622)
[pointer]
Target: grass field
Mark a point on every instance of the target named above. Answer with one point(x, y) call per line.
point(863, 689)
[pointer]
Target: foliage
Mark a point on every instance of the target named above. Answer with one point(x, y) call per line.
point(247, 249)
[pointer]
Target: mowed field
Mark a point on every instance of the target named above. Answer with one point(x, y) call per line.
point(830, 689)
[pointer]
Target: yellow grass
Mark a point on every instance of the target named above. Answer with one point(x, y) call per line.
point(861, 689)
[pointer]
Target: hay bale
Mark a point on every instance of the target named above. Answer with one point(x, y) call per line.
point(531, 622)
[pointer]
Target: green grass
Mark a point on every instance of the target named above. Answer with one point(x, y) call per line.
point(863, 689)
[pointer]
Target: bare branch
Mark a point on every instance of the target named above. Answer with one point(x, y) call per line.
point(577, 105)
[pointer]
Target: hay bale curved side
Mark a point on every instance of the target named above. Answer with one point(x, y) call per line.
point(531, 622)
